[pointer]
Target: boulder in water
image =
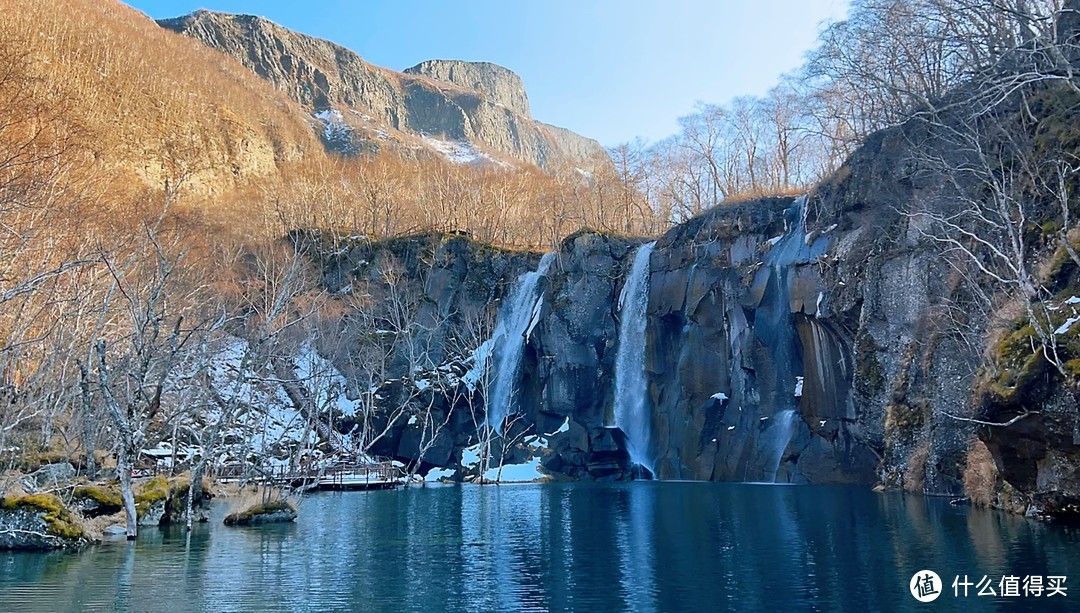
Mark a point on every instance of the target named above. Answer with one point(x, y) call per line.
point(276, 512)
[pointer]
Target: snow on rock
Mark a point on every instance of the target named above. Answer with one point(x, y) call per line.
point(565, 427)
point(721, 396)
point(470, 456)
point(479, 360)
point(321, 377)
point(1073, 300)
point(798, 387)
point(1065, 327)
point(265, 421)
point(535, 317)
point(458, 152)
point(335, 130)
point(436, 474)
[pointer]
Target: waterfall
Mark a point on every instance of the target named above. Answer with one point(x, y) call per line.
point(775, 328)
point(517, 318)
point(776, 439)
point(633, 413)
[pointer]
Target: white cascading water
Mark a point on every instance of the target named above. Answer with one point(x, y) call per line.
point(633, 411)
point(775, 328)
point(516, 320)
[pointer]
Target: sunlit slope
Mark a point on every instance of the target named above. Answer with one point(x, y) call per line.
point(154, 106)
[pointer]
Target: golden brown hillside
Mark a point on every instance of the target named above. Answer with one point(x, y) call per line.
point(139, 115)
point(154, 105)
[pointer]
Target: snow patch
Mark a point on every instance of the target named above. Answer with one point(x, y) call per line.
point(1065, 327)
point(721, 396)
point(318, 375)
point(479, 359)
point(798, 387)
point(565, 427)
point(436, 474)
point(584, 173)
point(535, 317)
point(458, 152)
point(335, 129)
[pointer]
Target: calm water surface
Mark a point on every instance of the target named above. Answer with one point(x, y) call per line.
point(588, 547)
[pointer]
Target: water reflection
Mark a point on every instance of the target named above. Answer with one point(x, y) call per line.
point(647, 546)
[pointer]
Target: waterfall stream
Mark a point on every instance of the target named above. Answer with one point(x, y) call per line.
point(633, 411)
point(775, 328)
point(517, 318)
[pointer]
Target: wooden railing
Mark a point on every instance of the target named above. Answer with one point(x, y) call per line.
point(338, 473)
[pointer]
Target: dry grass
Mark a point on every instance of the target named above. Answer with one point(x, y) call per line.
point(747, 196)
point(95, 528)
point(915, 475)
point(154, 104)
point(11, 484)
point(980, 474)
point(242, 499)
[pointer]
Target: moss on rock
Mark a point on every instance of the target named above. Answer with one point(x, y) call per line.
point(59, 521)
point(149, 494)
point(104, 495)
point(277, 511)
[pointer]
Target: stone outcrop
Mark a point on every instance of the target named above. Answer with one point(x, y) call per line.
point(501, 86)
point(361, 104)
point(38, 522)
point(277, 512)
point(49, 476)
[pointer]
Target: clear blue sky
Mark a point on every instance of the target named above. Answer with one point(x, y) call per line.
point(608, 69)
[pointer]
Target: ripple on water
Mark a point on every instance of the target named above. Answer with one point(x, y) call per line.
point(640, 546)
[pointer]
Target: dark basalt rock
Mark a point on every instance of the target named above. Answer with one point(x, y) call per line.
point(890, 393)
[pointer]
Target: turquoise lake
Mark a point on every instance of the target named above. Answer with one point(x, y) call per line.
point(638, 546)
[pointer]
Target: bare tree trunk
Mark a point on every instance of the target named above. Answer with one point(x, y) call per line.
point(87, 430)
point(125, 456)
point(123, 470)
point(194, 492)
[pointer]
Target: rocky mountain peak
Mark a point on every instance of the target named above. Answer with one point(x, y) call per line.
point(501, 85)
point(443, 105)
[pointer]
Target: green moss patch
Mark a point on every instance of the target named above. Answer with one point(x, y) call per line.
point(149, 493)
point(869, 377)
point(1020, 366)
point(58, 520)
point(98, 499)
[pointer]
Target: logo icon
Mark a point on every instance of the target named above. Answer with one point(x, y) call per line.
point(925, 586)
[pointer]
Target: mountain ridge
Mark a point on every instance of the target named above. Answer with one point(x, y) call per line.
point(380, 107)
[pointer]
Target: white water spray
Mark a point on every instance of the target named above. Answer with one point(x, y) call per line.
point(633, 411)
point(516, 321)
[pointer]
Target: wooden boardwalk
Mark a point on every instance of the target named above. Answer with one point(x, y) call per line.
point(346, 476)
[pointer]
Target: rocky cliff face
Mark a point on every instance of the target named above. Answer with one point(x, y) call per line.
point(808, 341)
point(501, 85)
point(364, 107)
